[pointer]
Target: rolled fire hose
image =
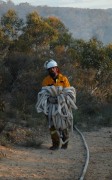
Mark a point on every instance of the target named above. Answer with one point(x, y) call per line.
point(61, 112)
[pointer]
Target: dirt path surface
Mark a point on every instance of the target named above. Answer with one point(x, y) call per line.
point(100, 146)
point(43, 164)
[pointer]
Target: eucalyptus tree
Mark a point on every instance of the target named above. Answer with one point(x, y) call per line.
point(37, 33)
point(64, 37)
point(11, 24)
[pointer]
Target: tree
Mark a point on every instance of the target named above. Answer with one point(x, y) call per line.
point(108, 50)
point(11, 24)
point(63, 35)
point(37, 33)
point(4, 42)
point(92, 54)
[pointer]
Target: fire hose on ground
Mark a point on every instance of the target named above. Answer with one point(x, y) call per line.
point(87, 154)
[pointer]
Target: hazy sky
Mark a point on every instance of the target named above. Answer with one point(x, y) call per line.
point(92, 4)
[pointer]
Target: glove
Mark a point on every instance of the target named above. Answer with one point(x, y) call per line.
point(52, 100)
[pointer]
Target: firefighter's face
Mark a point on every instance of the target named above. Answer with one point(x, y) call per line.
point(53, 72)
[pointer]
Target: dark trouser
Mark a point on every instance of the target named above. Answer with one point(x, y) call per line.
point(65, 136)
point(56, 139)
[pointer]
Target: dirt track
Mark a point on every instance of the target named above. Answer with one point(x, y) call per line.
point(42, 164)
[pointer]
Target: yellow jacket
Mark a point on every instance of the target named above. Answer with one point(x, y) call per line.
point(60, 81)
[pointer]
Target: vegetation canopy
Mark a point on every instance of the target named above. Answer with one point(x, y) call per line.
point(25, 46)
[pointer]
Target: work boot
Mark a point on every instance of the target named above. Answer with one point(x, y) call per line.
point(54, 148)
point(55, 145)
point(64, 146)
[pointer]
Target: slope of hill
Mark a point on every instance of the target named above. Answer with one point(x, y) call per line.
point(82, 23)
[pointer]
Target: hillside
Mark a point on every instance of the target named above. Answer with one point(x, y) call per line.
point(82, 23)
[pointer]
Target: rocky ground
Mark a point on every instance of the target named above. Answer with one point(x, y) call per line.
point(25, 163)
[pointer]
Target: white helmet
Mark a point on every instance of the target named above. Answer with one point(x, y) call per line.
point(49, 64)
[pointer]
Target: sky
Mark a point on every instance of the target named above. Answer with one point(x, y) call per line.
point(92, 4)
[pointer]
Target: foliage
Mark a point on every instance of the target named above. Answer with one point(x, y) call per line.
point(11, 24)
point(37, 33)
point(63, 35)
point(88, 65)
point(3, 40)
point(82, 23)
point(4, 141)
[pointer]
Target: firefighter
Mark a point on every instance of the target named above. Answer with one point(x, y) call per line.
point(57, 79)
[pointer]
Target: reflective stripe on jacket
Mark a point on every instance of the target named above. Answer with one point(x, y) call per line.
point(60, 81)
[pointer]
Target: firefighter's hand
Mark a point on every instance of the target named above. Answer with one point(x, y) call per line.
point(52, 100)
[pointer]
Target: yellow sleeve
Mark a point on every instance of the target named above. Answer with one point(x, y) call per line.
point(66, 82)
